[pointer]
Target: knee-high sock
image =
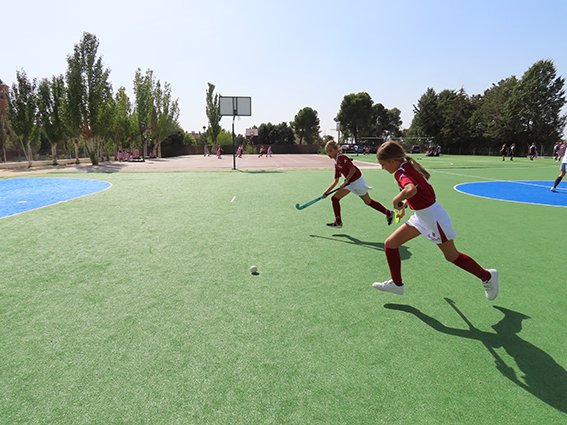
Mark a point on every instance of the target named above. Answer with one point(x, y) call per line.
point(395, 264)
point(557, 181)
point(337, 209)
point(378, 206)
point(467, 263)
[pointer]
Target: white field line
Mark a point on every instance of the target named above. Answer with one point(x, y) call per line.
point(489, 178)
point(498, 180)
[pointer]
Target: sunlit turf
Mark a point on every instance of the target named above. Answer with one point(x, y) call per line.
point(462, 161)
point(136, 305)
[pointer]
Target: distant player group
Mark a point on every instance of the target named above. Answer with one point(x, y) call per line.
point(559, 155)
point(429, 218)
point(239, 151)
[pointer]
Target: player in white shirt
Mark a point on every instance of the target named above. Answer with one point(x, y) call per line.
point(563, 168)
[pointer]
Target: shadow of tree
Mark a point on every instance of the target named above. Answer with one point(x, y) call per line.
point(378, 246)
point(543, 376)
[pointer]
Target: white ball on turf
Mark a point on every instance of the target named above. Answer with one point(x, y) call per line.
point(253, 269)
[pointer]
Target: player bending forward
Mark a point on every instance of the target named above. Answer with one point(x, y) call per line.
point(354, 183)
point(429, 219)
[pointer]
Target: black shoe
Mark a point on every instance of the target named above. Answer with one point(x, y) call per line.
point(335, 224)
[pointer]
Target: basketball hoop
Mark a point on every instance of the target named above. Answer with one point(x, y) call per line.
point(235, 107)
point(251, 132)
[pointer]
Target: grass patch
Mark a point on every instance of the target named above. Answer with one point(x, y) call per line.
point(136, 305)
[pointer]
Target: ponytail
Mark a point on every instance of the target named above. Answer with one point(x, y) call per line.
point(417, 167)
point(392, 150)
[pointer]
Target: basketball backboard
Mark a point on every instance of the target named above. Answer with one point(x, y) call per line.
point(239, 106)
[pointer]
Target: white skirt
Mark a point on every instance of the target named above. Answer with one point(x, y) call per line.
point(358, 187)
point(433, 223)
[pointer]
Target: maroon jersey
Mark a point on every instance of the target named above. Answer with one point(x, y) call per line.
point(425, 196)
point(343, 164)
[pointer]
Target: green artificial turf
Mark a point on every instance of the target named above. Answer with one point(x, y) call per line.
point(136, 305)
point(461, 161)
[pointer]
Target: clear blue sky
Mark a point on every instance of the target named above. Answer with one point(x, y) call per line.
point(290, 54)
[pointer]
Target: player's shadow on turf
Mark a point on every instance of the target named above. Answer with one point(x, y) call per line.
point(543, 376)
point(378, 246)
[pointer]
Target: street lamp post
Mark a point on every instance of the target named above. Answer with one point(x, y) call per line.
point(142, 129)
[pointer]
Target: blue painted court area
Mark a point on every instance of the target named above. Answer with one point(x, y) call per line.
point(528, 192)
point(25, 194)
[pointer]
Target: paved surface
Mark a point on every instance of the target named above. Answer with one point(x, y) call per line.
point(191, 163)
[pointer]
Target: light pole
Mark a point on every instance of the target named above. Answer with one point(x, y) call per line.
point(142, 129)
point(205, 140)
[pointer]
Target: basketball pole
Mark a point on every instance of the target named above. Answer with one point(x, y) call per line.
point(233, 151)
point(142, 129)
point(230, 106)
point(234, 112)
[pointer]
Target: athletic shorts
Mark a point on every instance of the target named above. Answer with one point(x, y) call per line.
point(433, 223)
point(563, 166)
point(358, 187)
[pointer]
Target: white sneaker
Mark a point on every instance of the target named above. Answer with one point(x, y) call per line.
point(389, 286)
point(553, 189)
point(491, 285)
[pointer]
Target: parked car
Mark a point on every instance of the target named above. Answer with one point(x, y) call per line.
point(415, 149)
point(349, 148)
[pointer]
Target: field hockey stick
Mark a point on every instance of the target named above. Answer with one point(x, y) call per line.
point(300, 207)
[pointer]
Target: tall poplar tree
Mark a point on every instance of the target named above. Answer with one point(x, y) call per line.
point(89, 95)
point(125, 128)
point(143, 90)
point(155, 108)
point(213, 113)
point(22, 114)
point(50, 101)
point(164, 117)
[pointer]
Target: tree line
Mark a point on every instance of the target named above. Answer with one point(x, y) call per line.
point(81, 109)
point(359, 119)
point(521, 111)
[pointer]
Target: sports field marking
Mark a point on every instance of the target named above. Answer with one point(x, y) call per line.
point(512, 191)
point(526, 183)
point(233, 198)
point(20, 195)
point(518, 191)
point(485, 178)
